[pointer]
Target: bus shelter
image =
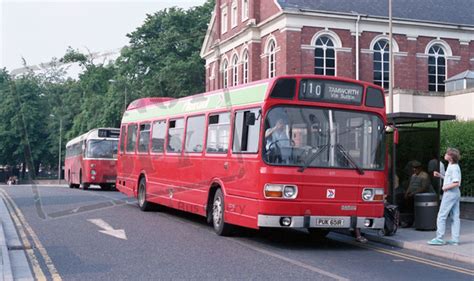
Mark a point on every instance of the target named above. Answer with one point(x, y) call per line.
point(418, 140)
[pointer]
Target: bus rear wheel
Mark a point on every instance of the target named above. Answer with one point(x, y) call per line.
point(218, 215)
point(144, 205)
point(106, 186)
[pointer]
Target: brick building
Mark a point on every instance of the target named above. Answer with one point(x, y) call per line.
point(249, 40)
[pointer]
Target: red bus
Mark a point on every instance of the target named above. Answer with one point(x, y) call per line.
point(91, 159)
point(301, 151)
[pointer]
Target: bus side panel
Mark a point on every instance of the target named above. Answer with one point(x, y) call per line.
point(125, 182)
point(153, 165)
point(241, 211)
point(192, 189)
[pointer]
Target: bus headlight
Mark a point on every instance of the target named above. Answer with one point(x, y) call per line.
point(290, 191)
point(283, 191)
point(93, 172)
point(373, 194)
point(92, 165)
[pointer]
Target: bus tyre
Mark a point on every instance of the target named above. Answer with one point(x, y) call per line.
point(218, 215)
point(85, 185)
point(144, 205)
point(106, 187)
point(318, 233)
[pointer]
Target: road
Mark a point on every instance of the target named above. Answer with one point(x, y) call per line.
point(98, 235)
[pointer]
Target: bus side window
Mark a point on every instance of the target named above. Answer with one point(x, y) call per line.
point(218, 132)
point(158, 136)
point(131, 138)
point(144, 138)
point(195, 134)
point(246, 134)
point(175, 136)
point(122, 139)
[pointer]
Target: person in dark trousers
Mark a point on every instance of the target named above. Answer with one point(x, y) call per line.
point(419, 183)
point(451, 200)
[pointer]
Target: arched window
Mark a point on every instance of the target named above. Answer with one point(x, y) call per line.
point(245, 67)
point(325, 56)
point(235, 70)
point(225, 78)
point(271, 58)
point(436, 68)
point(382, 63)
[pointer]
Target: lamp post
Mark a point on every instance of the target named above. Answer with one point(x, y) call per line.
point(59, 147)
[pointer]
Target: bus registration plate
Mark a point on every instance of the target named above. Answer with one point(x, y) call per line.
point(329, 222)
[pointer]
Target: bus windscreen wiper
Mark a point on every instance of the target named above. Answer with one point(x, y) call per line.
point(314, 153)
point(349, 158)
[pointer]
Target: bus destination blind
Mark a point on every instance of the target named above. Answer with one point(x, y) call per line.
point(331, 91)
point(108, 133)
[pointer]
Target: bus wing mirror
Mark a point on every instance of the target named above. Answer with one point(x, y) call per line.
point(250, 119)
point(394, 130)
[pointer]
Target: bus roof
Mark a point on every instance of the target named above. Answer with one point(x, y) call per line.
point(94, 133)
point(248, 94)
point(253, 93)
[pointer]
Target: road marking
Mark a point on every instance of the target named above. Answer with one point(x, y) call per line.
point(408, 256)
point(292, 261)
point(15, 211)
point(108, 229)
point(38, 272)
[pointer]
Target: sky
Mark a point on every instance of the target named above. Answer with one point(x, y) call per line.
point(40, 30)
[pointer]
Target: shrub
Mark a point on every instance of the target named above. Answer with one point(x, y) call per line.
point(460, 134)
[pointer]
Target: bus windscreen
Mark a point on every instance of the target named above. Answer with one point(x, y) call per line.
point(102, 149)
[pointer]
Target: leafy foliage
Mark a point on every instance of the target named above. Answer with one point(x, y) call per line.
point(162, 59)
point(459, 134)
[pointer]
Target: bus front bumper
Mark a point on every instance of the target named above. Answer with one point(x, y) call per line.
point(320, 222)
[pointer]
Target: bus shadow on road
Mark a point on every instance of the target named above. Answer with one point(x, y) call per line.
point(281, 238)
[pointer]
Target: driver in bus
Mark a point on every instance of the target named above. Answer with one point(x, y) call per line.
point(277, 138)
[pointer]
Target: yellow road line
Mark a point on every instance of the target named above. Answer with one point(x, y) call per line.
point(38, 272)
point(418, 259)
point(39, 246)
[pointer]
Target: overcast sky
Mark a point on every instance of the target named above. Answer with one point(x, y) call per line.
point(39, 30)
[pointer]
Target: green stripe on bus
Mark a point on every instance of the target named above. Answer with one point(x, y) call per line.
point(194, 104)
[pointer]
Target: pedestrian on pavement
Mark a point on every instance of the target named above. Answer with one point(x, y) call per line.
point(450, 201)
point(358, 236)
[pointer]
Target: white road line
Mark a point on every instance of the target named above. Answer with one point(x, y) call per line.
point(292, 261)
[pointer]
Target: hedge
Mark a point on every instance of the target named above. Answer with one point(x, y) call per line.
point(460, 134)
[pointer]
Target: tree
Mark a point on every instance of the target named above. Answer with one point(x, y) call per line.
point(163, 58)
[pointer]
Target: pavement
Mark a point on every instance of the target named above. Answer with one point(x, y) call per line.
point(416, 240)
point(14, 265)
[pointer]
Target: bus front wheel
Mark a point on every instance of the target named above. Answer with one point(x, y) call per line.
point(218, 215)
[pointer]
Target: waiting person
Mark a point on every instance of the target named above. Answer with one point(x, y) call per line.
point(451, 200)
point(419, 183)
point(433, 165)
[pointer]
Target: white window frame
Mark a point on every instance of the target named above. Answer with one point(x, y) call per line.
point(235, 70)
point(245, 67)
point(245, 10)
point(436, 65)
point(271, 51)
point(324, 48)
point(225, 75)
point(385, 49)
point(224, 19)
point(234, 14)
